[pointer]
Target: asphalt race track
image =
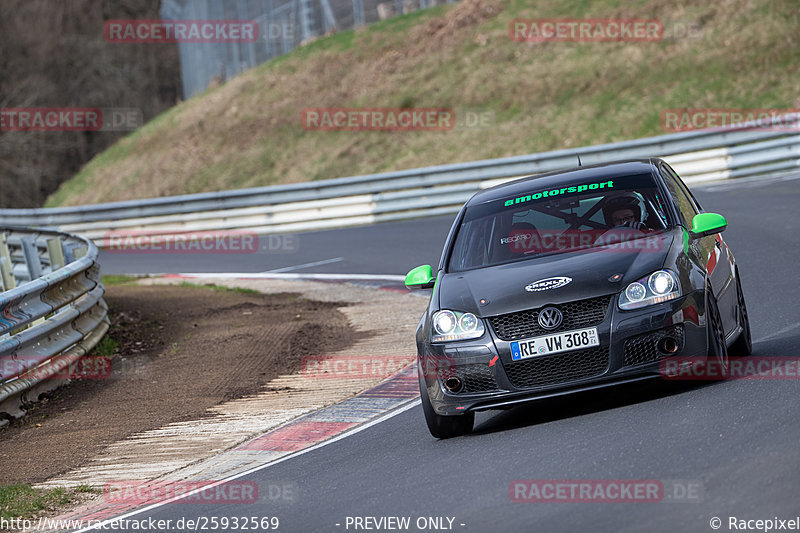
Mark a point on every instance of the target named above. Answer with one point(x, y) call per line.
point(733, 444)
point(389, 248)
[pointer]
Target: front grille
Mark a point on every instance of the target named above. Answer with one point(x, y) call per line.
point(558, 368)
point(475, 377)
point(524, 324)
point(642, 348)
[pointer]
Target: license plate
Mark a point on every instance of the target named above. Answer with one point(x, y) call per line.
point(555, 343)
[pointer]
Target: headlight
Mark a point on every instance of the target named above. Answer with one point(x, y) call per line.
point(454, 326)
point(635, 292)
point(660, 283)
point(658, 287)
point(444, 322)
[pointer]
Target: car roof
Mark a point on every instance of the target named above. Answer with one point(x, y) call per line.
point(566, 177)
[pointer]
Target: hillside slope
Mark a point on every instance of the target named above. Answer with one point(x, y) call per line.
point(531, 96)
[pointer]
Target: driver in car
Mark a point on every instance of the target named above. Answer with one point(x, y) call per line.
point(624, 212)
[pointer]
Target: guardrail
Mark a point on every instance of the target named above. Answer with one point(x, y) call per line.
point(697, 156)
point(52, 311)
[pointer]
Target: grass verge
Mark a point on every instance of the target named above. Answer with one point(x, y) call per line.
point(24, 501)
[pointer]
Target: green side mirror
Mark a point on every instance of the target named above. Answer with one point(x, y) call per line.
point(706, 224)
point(420, 278)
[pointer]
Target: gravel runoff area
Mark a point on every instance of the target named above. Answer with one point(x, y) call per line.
point(198, 371)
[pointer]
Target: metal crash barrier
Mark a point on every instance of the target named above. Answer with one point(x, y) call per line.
point(52, 311)
point(733, 152)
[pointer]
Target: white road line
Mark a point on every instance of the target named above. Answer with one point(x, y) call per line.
point(403, 408)
point(282, 275)
point(779, 332)
point(306, 265)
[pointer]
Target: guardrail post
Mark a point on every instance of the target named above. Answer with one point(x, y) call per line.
point(31, 254)
point(69, 249)
point(56, 253)
point(6, 267)
point(6, 275)
point(78, 252)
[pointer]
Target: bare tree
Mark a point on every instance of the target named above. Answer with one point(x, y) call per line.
point(53, 54)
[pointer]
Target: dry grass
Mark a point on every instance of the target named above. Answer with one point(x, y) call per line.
point(540, 96)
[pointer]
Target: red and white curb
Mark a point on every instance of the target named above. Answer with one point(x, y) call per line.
point(302, 435)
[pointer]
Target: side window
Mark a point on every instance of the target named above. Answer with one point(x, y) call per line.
point(684, 188)
point(687, 208)
point(472, 251)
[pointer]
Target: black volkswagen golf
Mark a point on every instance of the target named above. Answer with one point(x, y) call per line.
point(570, 281)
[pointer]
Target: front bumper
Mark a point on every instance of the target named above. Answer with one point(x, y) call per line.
point(627, 353)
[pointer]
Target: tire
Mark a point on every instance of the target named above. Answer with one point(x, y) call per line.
point(444, 427)
point(717, 348)
point(743, 346)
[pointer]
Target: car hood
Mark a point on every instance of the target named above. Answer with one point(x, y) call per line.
point(503, 286)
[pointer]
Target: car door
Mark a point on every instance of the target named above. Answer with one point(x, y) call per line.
point(710, 252)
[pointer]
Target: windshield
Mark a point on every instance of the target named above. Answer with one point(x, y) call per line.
point(578, 215)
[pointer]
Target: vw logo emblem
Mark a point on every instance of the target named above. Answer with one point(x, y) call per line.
point(550, 318)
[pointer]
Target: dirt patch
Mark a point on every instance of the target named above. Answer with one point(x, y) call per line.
point(443, 31)
point(180, 351)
